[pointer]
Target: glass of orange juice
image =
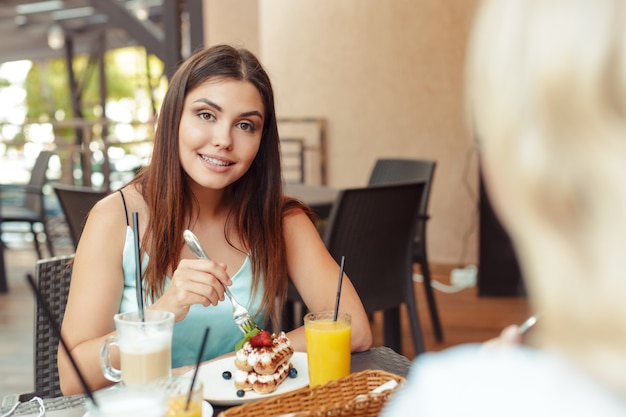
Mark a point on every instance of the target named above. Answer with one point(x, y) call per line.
point(177, 393)
point(327, 346)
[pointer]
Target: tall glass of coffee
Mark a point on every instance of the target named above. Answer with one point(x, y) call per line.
point(145, 347)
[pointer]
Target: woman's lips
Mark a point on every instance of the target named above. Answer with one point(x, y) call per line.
point(221, 162)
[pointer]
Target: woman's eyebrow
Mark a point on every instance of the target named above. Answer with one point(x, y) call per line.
point(219, 108)
point(252, 113)
point(209, 103)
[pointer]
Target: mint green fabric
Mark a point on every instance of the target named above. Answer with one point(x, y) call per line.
point(188, 332)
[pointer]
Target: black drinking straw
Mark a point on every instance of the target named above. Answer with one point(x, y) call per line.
point(195, 372)
point(339, 288)
point(57, 331)
point(138, 268)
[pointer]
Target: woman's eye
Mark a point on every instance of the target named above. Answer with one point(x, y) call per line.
point(206, 116)
point(245, 126)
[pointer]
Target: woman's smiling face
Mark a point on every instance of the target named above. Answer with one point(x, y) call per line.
point(220, 131)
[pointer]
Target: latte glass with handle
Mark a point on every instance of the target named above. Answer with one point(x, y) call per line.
point(145, 347)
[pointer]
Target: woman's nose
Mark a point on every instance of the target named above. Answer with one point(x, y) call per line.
point(222, 137)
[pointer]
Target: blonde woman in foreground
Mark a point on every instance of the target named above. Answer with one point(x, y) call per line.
point(546, 94)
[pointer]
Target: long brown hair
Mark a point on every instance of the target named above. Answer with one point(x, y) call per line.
point(258, 205)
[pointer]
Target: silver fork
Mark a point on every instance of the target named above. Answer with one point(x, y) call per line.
point(241, 316)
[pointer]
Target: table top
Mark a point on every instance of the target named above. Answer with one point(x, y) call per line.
point(381, 358)
point(311, 194)
point(319, 198)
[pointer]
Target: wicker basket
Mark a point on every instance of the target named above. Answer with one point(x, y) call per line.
point(336, 398)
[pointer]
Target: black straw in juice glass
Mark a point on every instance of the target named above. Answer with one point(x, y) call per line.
point(343, 258)
point(140, 306)
point(57, 331)
point(195, 372)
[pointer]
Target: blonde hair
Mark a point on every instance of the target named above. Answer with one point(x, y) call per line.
point(546, 95)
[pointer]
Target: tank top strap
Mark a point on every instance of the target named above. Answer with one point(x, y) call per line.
point(125, 208)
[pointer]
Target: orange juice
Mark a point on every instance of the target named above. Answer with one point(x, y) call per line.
point(176, 389)
point(176, 407)
point(327, 346)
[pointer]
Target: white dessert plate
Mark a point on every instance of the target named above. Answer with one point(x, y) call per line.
point(207, 410)
point(220, 391)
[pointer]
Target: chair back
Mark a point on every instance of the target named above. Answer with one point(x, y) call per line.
point(389, 171)
point(393, 171)
point(53, 279)
point(76, 202)
point(38, 179)
point(373, 228)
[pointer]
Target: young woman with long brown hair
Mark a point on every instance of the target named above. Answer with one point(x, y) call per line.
point(215, 170)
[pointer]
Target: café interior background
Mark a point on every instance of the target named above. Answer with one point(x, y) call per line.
point(388, 78)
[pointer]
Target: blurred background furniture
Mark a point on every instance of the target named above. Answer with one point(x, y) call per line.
point(53, 279)
point(24, 203)
point(391, 171)
point(303, 149)
point(76, 202)
point(292, 160)
point(373, 227)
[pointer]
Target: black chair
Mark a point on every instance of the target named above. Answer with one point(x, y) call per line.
point(392, 171)
point(53, 279)
point(24, 203)
point(76, 202)
point(373, 228)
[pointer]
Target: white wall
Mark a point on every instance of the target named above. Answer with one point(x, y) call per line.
point(387, 76)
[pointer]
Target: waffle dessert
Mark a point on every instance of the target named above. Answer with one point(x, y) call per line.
point(263, 362)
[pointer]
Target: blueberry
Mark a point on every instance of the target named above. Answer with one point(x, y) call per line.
point(226, 375)
point(293, 372)
point(240, 393)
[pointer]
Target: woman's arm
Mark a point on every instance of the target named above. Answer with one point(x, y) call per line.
point(94, 296)
point(98, 282)
point(315, 275)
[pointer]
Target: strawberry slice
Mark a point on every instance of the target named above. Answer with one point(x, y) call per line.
point(263, 339)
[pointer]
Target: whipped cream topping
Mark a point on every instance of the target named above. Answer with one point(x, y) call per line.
point(252, 356)
point(252, 377)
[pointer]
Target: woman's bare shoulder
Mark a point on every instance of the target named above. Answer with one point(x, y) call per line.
point(118, 203)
